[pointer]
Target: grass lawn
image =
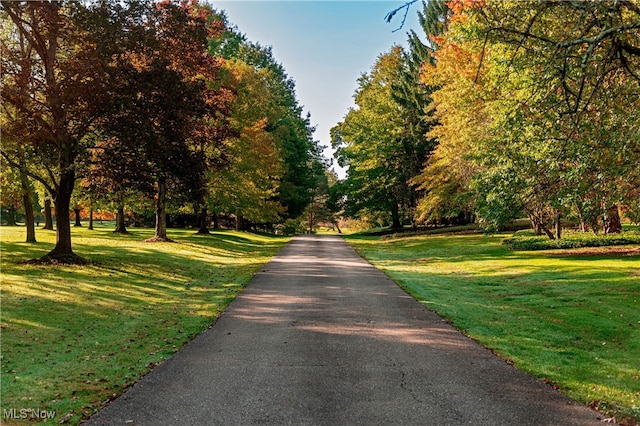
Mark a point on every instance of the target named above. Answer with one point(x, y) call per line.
point(74, 337)
point(569, 318)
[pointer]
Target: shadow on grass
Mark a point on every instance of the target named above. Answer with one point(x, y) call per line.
point(72, 336)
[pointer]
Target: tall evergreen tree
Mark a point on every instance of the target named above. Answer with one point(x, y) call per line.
point(414, 99)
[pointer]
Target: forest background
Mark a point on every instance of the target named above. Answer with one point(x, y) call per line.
point(495, 111)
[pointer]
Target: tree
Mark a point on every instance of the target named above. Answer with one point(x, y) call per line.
point(54, 83)
point(170, 105)
point(272, 101)
point(384, 140)
point(114, 174)
point(414, 98)
point(594, 42)
point(10, 195)
point(248, 186)
point(17, 190)
point(445, 180)
point(370, 142)
point(585, 57)
point(540, 93)
point(325, 203)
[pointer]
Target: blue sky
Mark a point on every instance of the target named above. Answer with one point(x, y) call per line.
point(323, 45)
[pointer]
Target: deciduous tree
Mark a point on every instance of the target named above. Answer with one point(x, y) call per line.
point(377, 144)
point(54, 82)
point(170, 106)
point(541, 94)
point(276, 106)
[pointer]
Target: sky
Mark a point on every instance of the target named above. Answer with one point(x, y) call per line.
point(323, 45)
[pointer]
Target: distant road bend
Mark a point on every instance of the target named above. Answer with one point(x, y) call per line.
point(321, 337)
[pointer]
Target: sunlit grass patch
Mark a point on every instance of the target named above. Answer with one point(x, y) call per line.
point(572, 320)
point(75, 336)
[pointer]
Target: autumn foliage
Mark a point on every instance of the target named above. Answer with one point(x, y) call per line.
point(130, 100)
point(530, 107)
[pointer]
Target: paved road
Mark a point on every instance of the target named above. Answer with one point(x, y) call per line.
point(320, 337)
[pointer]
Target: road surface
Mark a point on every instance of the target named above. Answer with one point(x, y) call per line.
point(320, 337)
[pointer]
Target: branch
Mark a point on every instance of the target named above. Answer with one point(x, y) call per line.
point(524, 34)
point(23, 169)
point(604, 34)
point(626, 66)
point(633, 50)
point(389, 16)
point(484, 48)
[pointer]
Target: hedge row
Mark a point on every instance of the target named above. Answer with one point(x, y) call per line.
point(571, 241)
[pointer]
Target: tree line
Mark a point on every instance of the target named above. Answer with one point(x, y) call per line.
point(139, 103)
point(507, 109)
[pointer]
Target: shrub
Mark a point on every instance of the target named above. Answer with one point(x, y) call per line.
point(521, 241)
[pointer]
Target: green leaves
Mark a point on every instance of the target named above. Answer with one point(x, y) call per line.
point(382, 140)
point(531, 91)
point(274, 162)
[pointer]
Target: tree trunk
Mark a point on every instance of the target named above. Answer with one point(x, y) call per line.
point(120, 225)
point(48, 219)
point(395, 216)
point(216, 225)
point(558, 225)
point(90, 214)
point(535, 224)
point(161, 212)
point(76, 211)
point(612, 223)
point(542, 227)
point(337, 227)
point(10, 216)
point(29, 219)
point(204, 222)
point(62, 251)
point(584, 226)
point(470, 218)
point(239, 223)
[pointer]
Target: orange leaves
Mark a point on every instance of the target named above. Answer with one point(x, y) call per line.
point(454, 60)
point(458, 6)
point(462, 117)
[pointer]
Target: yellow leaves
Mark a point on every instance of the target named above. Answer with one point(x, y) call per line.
point(251, 181)
point(429, 74)
point(462, 115)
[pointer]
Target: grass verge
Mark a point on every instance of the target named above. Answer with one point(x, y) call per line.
point(573, 320)
point(74, 337)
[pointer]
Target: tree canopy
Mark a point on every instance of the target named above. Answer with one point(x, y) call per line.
point(530, 108)
point(161, 99)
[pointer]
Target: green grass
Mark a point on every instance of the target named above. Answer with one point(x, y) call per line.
point(570, 319)
point(74, 337)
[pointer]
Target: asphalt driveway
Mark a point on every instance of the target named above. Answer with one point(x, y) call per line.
point(320, 337)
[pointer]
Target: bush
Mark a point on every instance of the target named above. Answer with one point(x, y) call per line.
point(291, 227)
point(453, 230)
point(521, 241)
